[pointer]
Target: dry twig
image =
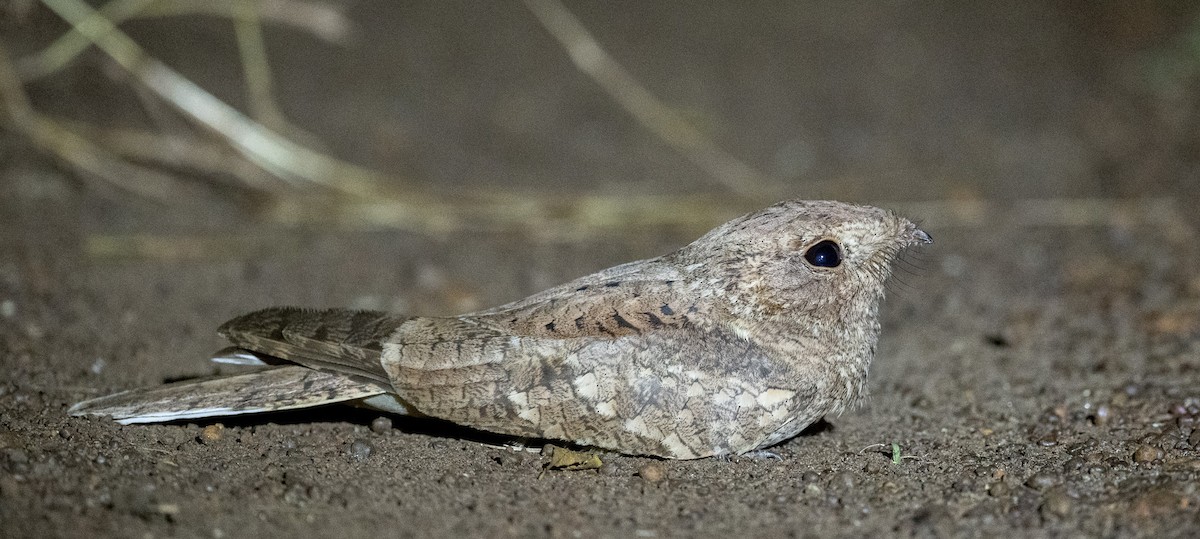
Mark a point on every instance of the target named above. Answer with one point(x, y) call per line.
point(318, 19)
point(278, 155)
point(591, 58)
point(373, 199)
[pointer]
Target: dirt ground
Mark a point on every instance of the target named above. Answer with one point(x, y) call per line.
point(1039, 368)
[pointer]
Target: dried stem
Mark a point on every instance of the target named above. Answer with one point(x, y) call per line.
point(72, 148)
point(323, 21)
point(591, 58)
point(248, 29)
point(276, 154)
point(372, 199)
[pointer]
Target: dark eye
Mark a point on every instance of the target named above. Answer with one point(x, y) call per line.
point(824, 254)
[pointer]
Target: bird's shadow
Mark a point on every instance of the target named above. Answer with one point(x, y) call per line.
point(426, 426)
point(354, 415)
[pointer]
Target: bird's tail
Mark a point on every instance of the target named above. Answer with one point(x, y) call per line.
point(272, 389)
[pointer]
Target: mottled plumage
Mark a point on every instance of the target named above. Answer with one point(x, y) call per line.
point(733, 343)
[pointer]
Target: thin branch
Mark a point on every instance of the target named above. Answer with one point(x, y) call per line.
point(71, 44)
point(16, 102)
point(177, 151)
point(253, 49)
point(324, 21)
point(591, 58)
point(72, 148)
point(276, 154)
point(377, 200)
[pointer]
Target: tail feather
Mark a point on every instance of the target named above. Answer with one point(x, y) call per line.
point(336, 339)
point(233, 355)
point(269, 390)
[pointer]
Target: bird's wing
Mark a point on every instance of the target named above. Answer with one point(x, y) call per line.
point(336, 340)
point(629, 299)
point(557, 319)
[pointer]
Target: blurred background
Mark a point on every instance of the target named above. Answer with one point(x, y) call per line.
point(168, 164)
point(561, 121)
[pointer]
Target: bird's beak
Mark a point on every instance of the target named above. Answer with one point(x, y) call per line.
point(919, 236)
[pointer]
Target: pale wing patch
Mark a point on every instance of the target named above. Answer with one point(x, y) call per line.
point(773, 396)
point(585, 386)
point(636, 426)
point(677, 447)
point(531, 415)
point(555, 431)
point(640, 428)
point(606, 409)
point(777, 417)
point(521, 400)
point(391, 353)
point(524, 411)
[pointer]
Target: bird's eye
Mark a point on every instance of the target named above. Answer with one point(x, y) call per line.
point(824, 254)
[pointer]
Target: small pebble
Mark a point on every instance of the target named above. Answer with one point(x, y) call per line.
point(1147, 453)
point(1074, 464)
point(1057, 503)
point(381, 425)
point(1042, 480)
point(842, 479)
point(360, 450)
point(998, 489)
point(17, 456)
point(212, 433)
point(610, 470)
point(652, 472)
point(1102, 415)
point(1158, 501)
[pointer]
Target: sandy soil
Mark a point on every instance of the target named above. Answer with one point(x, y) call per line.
point(1039, 370)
